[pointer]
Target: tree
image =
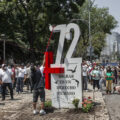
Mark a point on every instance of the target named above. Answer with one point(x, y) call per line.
point(101, 23)
point(28, 20)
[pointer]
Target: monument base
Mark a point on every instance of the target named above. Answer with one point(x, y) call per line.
point(66, 87)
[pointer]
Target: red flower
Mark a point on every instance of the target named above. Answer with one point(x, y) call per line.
point(84, 99)
point(82, 103)
point(85, 105)
point(89, 102)
point(89, 97)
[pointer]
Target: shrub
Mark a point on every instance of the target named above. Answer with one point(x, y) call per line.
point(75, 102)
point(87, 104)
point(48, 104)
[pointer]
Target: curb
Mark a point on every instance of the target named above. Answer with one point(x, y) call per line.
point(106, 107)
point(101, 112)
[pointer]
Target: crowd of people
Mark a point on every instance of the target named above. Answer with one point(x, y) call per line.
point(99, 75)
point(13, 78)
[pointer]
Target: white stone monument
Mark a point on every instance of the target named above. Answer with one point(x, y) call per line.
point(68, 86)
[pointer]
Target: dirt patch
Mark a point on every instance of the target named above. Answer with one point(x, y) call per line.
point(79, 111)
point(25, 113)
point(5, 115)
point(57, 114)
point(21, 109)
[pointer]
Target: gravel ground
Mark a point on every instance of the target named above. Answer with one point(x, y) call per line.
point(21, 109)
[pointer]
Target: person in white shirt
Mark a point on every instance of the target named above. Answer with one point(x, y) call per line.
point(85, 75)
point(42, 66)
point(0, 72)
point(6, 81)
point(28, 77)
point(15, 75)
point(102, 80)
point(42, 69)
point(21, 78)
point(89, 73)
point(116, 88)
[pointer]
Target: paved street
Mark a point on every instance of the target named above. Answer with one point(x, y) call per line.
point(113, 106)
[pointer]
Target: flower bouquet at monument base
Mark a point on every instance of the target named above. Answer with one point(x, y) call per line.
point(87, 104)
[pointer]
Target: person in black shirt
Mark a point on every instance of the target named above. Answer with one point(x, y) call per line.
point(115, 75)
point(38, 84)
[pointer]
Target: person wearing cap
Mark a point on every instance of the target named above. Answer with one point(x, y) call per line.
point(6, 81)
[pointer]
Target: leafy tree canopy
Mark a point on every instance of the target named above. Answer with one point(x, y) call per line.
point(101, 23)
point(27, 21)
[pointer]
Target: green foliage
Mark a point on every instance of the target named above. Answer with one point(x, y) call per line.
point(87, 108)
point(101, 24)
point(27, 21)
point(87, 105)
point(48, 104)
point(75, 102)
point(31, 18)
point(74, 7)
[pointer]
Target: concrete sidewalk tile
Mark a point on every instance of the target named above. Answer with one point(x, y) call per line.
point(97, 97)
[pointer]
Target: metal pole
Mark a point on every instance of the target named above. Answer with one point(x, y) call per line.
point(4, 50)
point(90, 32)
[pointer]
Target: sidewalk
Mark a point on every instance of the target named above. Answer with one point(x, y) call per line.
point(101, 112)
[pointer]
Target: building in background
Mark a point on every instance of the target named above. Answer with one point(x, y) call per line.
point(111, 51)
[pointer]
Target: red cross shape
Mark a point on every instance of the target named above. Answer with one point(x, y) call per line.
point(48, 70)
